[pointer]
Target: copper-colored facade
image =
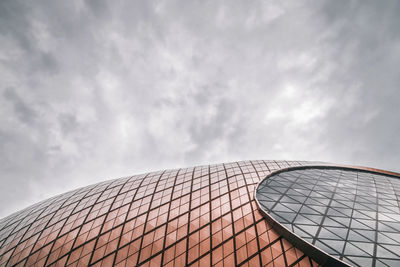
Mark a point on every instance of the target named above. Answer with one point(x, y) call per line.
point(204, 216)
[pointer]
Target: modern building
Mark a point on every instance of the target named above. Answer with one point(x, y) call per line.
point(248, 213)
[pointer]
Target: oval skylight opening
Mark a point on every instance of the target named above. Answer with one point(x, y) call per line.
point(352, 215)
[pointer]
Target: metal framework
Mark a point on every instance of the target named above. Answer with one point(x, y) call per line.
point(204, 216)
point(336, 213)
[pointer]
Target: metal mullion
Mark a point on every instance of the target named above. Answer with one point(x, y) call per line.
point(327, 208)
point(376, 225)
point(210, 209)
point(299, 259)
point(40, 232)
point(188, 228)
point(183, 238)
point(147, 215)
point(283, 251)
point(207, 224)
point(266, 165)
point(231, 212)
point(254, 217)
point(284, 194)
point(132, 241)
point(66, 219)
point(166, 223)
point(307, 197)
point(351, 216)
point(33, 252)
point(173, 244)
point(126, 221)
point(262, 250)
point(32, 210)
point(102, 225)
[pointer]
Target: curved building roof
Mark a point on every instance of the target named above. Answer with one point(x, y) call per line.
point(205, 215)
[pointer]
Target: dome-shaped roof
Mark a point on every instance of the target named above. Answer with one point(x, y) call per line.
point(203, 215)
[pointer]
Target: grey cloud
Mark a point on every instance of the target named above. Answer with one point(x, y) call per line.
point(366, 131)
point(22, 110)
point(68, 123)
point(95, 90)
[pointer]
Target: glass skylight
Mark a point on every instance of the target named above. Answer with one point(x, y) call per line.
point(352, 215)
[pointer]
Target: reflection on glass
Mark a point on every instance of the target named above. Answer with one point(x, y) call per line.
point(352, 214)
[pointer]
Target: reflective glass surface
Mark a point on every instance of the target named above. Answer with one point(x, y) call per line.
point(204, 215)
point(352, 215)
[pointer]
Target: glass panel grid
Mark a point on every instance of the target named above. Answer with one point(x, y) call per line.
point(196, 216)
point(353, 215)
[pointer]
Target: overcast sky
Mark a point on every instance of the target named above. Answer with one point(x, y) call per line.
point(93, 90)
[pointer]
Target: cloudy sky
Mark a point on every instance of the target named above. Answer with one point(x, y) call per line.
point(93, 90)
